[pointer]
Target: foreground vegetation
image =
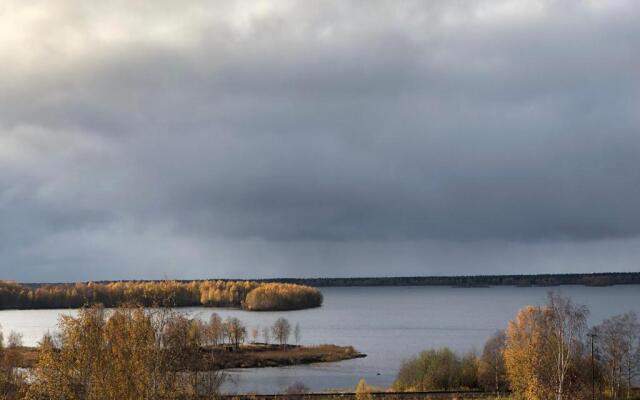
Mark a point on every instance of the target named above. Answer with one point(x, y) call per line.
point(137, 353)
point(247, 294)
point(545, 353)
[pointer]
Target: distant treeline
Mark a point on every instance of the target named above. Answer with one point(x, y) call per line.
point(214, 293)
point(595, 279)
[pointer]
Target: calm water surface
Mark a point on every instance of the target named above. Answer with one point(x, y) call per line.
point(389, 324)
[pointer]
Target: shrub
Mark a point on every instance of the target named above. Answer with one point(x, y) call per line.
point(439, 369)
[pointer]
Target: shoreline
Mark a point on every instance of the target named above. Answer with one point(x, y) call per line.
point(254, 355)
point(260, 355)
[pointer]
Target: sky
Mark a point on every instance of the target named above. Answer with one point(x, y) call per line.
point(258, 139)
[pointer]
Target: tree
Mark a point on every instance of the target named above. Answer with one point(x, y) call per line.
point(632, 348)
point(281, 330)
point(527, 363)
point(363, 391)
point(468, 371)
point(11, 377)
point(491, 368)
point(129, 339)
point(50, 379)
point(236, 331)
point(13, 358)
point(255, 332)
point(544, 344)
point(568, 323)
point(266, 334)
point(297, 334)
point(79, 369)
point(215, 330)
point(132, 354)
point(619, 350)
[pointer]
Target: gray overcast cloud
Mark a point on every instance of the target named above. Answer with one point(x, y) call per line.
point(328, 138)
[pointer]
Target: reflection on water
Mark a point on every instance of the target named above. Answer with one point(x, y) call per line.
point(389, 324)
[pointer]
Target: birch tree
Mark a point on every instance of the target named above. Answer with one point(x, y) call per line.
point(617, 343)
point(568, 323)
point(544, 344)
point(297, 333)
point(281, 331)
point(491, 368)
point(266, 334)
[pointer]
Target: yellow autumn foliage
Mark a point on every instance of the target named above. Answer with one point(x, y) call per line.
point(213, 293)
point(282, 296)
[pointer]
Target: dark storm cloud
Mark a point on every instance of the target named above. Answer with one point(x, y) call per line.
point(205, 139)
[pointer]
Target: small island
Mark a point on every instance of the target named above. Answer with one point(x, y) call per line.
point(254, 355)
point(271, 355)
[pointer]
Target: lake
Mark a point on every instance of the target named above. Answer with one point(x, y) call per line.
point(389, 324)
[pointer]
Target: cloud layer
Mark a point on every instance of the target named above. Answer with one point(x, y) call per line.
point(235, 139)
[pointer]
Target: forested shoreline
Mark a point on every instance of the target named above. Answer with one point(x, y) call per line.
point(590, 279)
point(212, 293)
point(585, 279)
